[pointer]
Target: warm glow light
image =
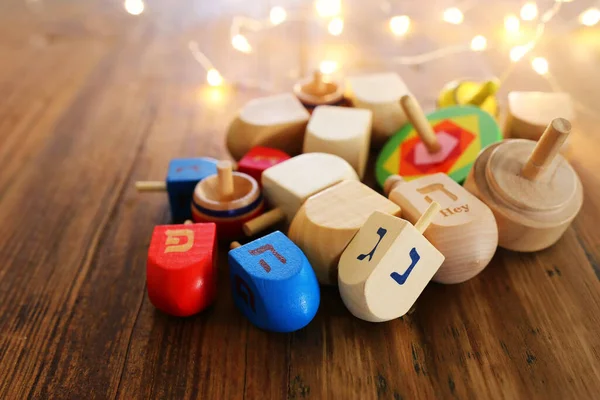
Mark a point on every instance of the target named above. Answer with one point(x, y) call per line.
point(590, 17)
point(540, 65)
point(277, 15)
point(336, 26)
point(134, 7)
point(400, 24)
point(512, 23)
point(517, 52)
point(529, 11)
point(328, 67)
point(240, 43)
point(453, 15)
point(214, 78)
point(479, 43)
point(328, 8)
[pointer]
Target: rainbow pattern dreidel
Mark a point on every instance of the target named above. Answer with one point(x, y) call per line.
point(228, 199)
point(469, 92)
point(532, 190)
point(273, 284)
point(447, 140)
point(387, 265)
point(182, 177)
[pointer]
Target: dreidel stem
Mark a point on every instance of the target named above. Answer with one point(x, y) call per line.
point(225, 178)
point(417, 118)
point(151, 186)
point(428, 216)
point(546, 148)
point(486, 90)
point(234, 245)
point(263, 221)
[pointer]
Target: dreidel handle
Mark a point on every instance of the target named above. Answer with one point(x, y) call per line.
point(426, 218)
point(225, 178)
point(417, 118)
point(151, 186)
point(546, 148)
point(486, 90)
point(263, 221)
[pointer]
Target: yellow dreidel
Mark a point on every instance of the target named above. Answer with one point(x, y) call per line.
point(465, 92)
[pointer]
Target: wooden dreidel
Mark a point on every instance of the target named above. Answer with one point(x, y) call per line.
point(345, 132)
point(275, 121)
point(258, 159)
point(273, 283)
point(387, 265)
point(530, 112)
point(447, 140)
point(464, 229)
point(379, 93)
point(469, 92)
point(532, 190)
point(182, 176)
point(181, 274)
point(287, 185)
point(328, 220)
point(228, 199)
point(318, 90)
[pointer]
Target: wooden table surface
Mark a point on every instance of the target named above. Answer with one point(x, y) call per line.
point(93, 99)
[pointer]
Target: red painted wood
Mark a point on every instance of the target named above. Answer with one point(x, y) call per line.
point(260, 158)
point(181, 270)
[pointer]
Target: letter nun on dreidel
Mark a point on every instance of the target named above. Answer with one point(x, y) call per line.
point(273, 284)
point(464, 229)
point(387, 265)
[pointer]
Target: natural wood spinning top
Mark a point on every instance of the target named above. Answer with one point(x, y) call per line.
point(532, 190)
point(318, 90)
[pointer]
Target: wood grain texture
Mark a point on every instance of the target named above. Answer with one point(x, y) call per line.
point(94, 99)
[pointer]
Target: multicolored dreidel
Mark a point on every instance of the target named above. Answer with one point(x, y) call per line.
point(273, 283)
point(532, 190)
point(182, 177)
point(464, 229)
point(328, 220)
point(469, 92)
point(181, 273)
point(258, 159)
point(276, 121)
point(228, 199)
point(387, 265)
point(447, 140)
point(287, 186)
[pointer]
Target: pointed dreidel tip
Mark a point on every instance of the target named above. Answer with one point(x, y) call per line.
point(225, 177)
point(546, 148)
point(428, 216)
point(417, 118)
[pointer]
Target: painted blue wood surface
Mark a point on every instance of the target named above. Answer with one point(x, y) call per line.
point(182, 177)
point(273, 284)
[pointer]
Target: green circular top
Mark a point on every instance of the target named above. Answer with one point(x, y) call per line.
point(468, 128)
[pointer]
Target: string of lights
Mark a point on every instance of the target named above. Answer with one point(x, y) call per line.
point(399, 25)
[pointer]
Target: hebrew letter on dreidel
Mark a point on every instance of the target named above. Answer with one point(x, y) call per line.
point(436, 186)
point(262, 249)
point(173, 238)
point(248, 297)
point(414, 257)
point(181, 169)
point(381, 232)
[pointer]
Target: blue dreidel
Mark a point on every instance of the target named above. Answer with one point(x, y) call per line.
point(273, 284)
point(182, 176)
